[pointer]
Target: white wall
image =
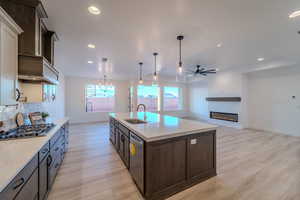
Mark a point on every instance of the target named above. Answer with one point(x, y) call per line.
point(75, 99)
point(226, 84)
point(271, 106)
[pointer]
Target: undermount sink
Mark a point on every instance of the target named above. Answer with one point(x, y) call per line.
point(135, 121)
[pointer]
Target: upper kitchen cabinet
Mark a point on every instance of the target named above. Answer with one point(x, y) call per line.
point(28, 14)
point(9, 31)
point(36, 40)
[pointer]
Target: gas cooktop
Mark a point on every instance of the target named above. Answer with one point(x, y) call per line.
point(27, 131)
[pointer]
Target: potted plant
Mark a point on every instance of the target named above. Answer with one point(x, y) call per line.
point(45, 115)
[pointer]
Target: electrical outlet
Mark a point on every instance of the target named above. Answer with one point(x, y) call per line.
point(194, 141)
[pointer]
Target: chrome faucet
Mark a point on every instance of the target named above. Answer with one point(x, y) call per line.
point(138, 107)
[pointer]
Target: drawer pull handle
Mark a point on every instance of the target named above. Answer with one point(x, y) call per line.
point(49, 161)
point(45, 151)
point(19, 183)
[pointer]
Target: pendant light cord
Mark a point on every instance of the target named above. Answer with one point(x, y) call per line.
point(180, 61)
point(155, 54)
point(141, 70)
point(180, 38)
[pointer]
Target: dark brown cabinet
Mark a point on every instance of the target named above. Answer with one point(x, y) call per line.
point(124, 148)
point(112, 135)
point(36, 40)
point(126, 151)
point(20, 180)
point(201, 155)
point(165, 164)
point(170, 165)
point(43, 178)
point(119, 137)
point(30, 189)
point(35, 180)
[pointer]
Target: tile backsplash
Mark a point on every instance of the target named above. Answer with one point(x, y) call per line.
point(8, 114)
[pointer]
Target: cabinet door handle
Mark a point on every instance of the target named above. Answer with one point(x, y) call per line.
point(45, 151)
point(49, 161)
point(56, 166)
point(19, 183)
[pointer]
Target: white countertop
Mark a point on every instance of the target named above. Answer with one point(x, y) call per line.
point(161, 126)
point(15, 154)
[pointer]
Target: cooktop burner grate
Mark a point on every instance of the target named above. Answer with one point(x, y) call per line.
point(27, 131)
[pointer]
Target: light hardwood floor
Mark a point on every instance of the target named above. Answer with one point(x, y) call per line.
point(251, 165)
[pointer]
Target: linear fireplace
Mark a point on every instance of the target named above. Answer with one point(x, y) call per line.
point(233, 117)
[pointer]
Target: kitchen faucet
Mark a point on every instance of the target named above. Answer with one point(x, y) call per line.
point(138, 107)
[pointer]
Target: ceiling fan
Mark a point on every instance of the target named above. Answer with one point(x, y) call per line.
point(201, 71)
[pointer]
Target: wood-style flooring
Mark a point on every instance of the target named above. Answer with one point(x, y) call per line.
point(251, 165)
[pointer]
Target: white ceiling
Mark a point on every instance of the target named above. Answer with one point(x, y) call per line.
point(129, 31)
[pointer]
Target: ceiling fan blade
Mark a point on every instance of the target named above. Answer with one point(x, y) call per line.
point(210, 72)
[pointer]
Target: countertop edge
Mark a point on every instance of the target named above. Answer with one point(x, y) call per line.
point(58, 125)
point(163, 137)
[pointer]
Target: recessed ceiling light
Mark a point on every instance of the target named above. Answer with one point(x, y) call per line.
point(90, 62)
point(260, 59)
point(92, 46)
point(219, 45)
point(295, 14)
point(94, 10)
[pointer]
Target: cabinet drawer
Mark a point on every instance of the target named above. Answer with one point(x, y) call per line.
point(53, 171)
point(44, 151)
point(55, 150)
point(55, 138)
point(124, 130)
point(19, 181)
point(43, 178)
point(30, 190)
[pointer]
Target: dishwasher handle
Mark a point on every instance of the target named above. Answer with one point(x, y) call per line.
point(135, 139)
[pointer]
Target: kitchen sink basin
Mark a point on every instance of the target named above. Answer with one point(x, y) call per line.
point(135, 121)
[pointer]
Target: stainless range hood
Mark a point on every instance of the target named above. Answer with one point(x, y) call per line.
point(36, 69)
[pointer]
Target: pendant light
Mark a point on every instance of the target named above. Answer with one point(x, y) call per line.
point(141, 73)
point(155, 70)
point(105, 80)
point(180, 67)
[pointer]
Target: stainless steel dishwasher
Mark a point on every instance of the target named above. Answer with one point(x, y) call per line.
point(137, 160)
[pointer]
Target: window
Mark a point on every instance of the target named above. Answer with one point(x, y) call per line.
point(148, 95)
point(99, 98)
point(171, 99)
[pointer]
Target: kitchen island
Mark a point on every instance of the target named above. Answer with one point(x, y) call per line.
point(164, 154)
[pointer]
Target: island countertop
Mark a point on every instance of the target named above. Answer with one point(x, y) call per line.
point(160, 126)
point(15, 154)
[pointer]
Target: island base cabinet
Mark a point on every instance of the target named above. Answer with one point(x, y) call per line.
point(202, 154)
point(169, 165)
point(124, 148)
point(165, 165)
point(175, 164)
